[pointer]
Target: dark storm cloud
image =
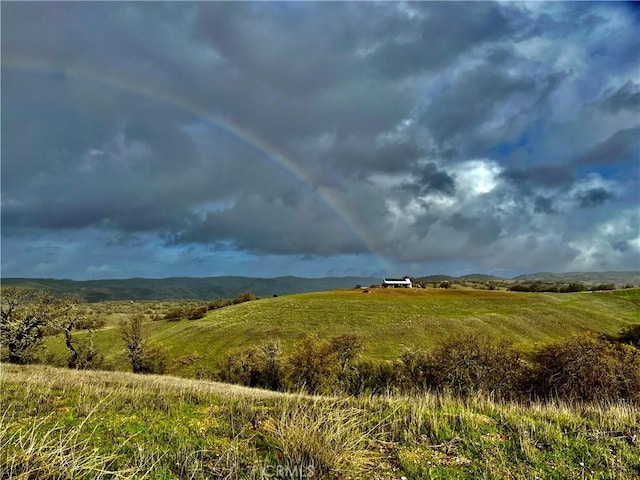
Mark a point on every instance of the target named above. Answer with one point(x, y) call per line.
point(532, 178)
point(482, 229)
point(431, 180)
point(426, 41)
point(284, 89)
point(543, 205)
point(89, 169)
point(593, 197)
point(434, 130)
point(255, 40)
point(360, 156)
point(481, 96)
point(264, 225)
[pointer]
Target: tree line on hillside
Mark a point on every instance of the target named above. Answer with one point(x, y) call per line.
point(196, 312)
point(581, 368)
point(554, 287)
point(520, 286)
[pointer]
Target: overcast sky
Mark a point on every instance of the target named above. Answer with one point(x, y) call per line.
point(313, 139)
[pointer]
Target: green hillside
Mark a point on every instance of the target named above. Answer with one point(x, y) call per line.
point(387, 321)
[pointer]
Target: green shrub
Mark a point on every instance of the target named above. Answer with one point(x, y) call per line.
point(188, 312)
point(539, 286)
point(347, 348)
point(131, 334)
point(196, 313)
point(415, 371)
point(256, 366)
point(462, 364)
point(312, 366)
point(240, 367)
point(90, 323)
point(143, 356)
point(372, 378)
point(273, 373)
point(244, 297)
point(572, 287)
point(175, 314)
point(219, 303)
point(154, 358)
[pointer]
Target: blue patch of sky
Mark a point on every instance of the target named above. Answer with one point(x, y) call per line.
point(505, 149)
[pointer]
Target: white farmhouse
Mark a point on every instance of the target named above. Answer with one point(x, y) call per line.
point(397, 283)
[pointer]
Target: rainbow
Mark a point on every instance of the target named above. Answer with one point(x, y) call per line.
point(145, 87)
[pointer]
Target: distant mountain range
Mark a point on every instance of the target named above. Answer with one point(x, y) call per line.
point(472, 277)
point(619, 278)
point(180, 288)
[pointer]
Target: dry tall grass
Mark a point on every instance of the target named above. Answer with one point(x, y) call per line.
point(74, 424)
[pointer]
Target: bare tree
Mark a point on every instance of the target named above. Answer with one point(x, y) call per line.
point(24, 322)
point(71, 312)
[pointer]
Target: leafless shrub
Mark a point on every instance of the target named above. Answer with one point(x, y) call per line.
point(587, 368)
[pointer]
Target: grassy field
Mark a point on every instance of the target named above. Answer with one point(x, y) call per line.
point(387, 321)
point(72, 424)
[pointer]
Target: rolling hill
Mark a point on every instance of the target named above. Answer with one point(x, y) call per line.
point(387, 320)
point(61, 423)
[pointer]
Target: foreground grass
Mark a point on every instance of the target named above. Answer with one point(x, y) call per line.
point(70, 424)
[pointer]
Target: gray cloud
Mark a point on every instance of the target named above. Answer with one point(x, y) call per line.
point(593, 197)
point(426, 41)
point(431, 179)
point(489, 94)
point(543, 205)
point(317, 132)
point(361, 156)
point(264, 225)
point(482, 230)
point(621, 147)
point(627, 97)
point(540, 176)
